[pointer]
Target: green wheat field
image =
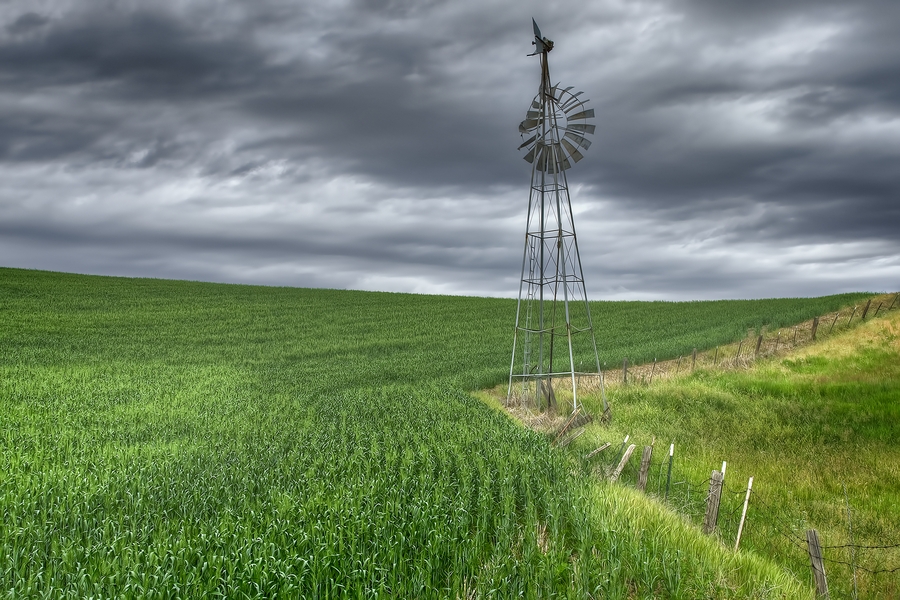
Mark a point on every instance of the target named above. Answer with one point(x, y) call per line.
point(169, 439)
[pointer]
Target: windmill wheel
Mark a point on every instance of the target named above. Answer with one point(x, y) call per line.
point(557, 128)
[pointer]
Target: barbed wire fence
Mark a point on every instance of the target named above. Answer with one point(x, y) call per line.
point(782, 527)
point(779, 526)
point(756, 345)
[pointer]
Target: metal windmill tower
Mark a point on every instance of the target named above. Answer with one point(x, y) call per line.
point(554, 337)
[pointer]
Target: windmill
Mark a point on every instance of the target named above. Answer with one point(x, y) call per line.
point(554, 336)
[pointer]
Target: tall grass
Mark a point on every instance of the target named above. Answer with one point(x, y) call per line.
point(816, 429)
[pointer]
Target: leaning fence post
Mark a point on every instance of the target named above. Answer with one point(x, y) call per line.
point(669, 476)
point(737, 541)
point(712, 502)
point(758, 344)
point(833, 322)
point(738, 355)
point(892, 301)
point(851, 314)
point(600, 449)
point(877, 309)
point(645, 468)
point(817, 563)
point(570, 439)
point(866, 309)
point(622, 463)
point(815, 325)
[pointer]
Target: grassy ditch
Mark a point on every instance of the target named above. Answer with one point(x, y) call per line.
point(816, 428)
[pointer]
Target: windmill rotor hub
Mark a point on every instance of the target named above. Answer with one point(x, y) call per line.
point(557, 123)
point(547, 44)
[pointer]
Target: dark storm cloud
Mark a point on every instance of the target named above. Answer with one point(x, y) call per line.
point(743, 149)
point(144, 52)
point(806, 72)
point(26, 22)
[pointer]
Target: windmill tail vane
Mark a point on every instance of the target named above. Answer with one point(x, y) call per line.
point(554, 337)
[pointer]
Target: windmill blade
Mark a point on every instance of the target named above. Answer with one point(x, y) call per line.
point(583, 142)
point(528, 141)
point(585, 114)
point(576, 106)
point(537, 30)
point(583, 127)
point(561, 162)
point(573, 151)
point(551, 159)
point(542, 158)
point(530, 156)
point(535, 103)
point(563, 92)
point(570, 100)
point(546, 158)
point(569, 108)
point(532, 114)
point(528, 124)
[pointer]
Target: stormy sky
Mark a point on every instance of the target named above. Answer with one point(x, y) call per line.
point(743, 149)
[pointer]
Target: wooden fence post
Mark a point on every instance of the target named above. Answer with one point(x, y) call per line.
point(738, 355)
point(795, 336)
point(833, 322)
point(817, 563)
point(652, 371)
point(622, 463)
point(678, 365)
point(777, 338)
point(851, 314)
point(866, 309)
point(693, 359)
point(711, 518)
point(892, 301)
point(815, 325)
point(645, 468)
point(877, 309)
point(571, 438)
point(625, 371)
point(566, 426)
point(594, 453)
point(737, 541)
point(758, 344)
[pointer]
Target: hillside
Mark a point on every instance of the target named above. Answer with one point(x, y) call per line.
point(816, 428)
point(166, 438)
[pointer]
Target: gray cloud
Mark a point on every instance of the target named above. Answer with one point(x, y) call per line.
point(742, 149)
